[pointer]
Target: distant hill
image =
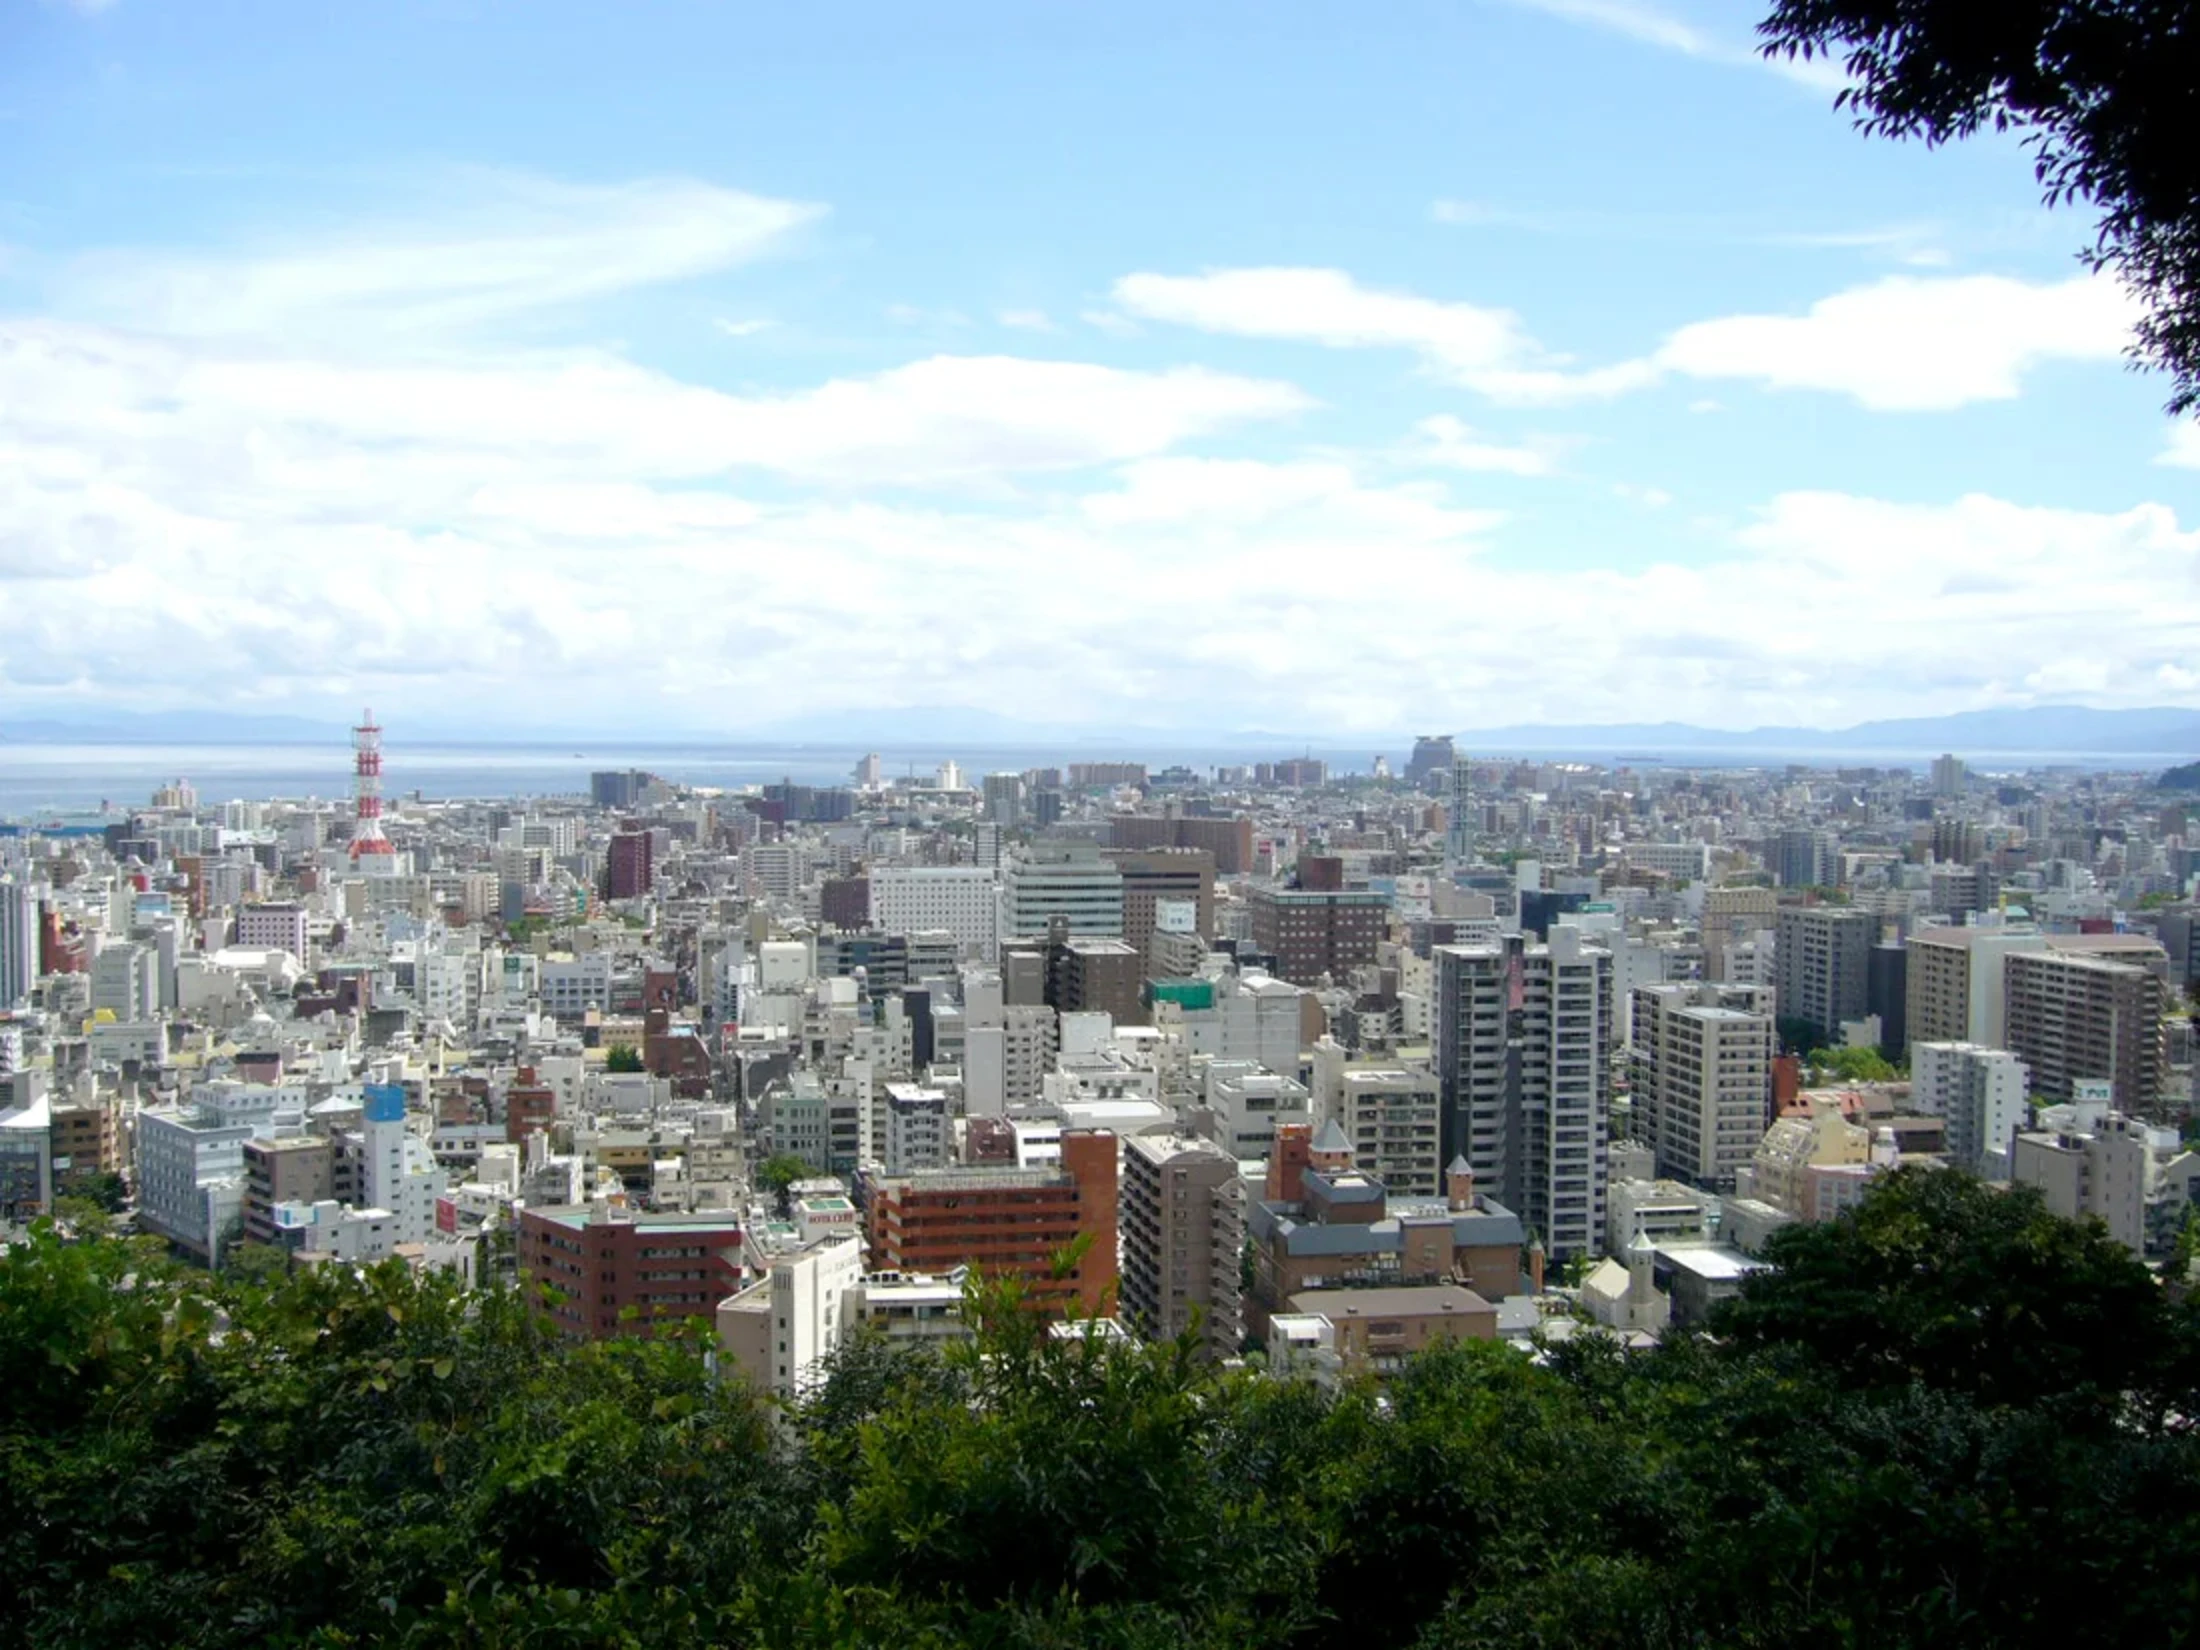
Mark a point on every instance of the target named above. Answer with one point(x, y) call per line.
point(2074, 728)
point(2186, 778)
point(179, 727)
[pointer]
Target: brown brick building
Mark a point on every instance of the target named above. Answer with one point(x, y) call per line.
point(1013, 1221)
point(602, 1260)
point(1337, 1228)
point(1313, 932)
point(1108, 976)
point(1151, 874)
point(1229, 840)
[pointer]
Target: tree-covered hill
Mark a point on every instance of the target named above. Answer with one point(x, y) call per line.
point(1949, 1420)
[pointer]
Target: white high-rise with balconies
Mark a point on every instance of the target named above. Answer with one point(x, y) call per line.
point(1979, 1093)
point(1523, 1047)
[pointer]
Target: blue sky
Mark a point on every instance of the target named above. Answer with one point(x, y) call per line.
point(1314, 368)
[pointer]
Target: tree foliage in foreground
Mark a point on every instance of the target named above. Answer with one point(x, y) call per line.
point(2105, 92)
point(1950, 1420)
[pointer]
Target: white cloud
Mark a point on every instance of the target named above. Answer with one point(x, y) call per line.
point(1652, 27)
point(199, 518)
point(748, 328)
point(1482, 347)
point(1911, 344)
point(1027, 320)
point(1906, 343)
point(2184, 446)
point(946, 418)
point(1446, 442)
point(499, 246)
point(174, 530)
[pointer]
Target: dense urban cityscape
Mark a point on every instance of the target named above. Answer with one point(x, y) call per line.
point(893, 1040)
point(1319, 1068)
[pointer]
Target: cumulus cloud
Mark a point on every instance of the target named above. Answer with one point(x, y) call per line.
point(183, 531)
point(1485, 348)
point(1910, 344)
point(2184, 446)
point(259, 511)
point(1906, 343)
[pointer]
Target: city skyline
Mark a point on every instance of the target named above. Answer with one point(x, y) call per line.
point(1248, 370)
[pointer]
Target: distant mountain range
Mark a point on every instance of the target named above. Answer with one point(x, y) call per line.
point(2072, 729)
point(167, 727)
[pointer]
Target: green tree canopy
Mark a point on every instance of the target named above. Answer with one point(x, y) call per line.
point(1951, 1420)
point(1850, 1065)
point(781, 1170)
point(622, 1057)
point(2106, 94)
point(1941, 1280)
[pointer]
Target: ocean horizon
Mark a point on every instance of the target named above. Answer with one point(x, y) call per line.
point(39, 779)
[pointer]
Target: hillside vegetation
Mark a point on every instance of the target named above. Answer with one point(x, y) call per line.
point(1950, 1420)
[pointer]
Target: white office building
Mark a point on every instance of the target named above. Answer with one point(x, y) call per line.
point(962, 900)
point(1067, 881)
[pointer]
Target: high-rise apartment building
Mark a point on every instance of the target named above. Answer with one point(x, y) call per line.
point(2075, 1016)
point(1804, 858)
point(1393, 1117)
point(629, 866)
point(1004, 800)
point(1955, 981)
point(1183, 1235)
point(1980, 1094)
point(1523, 1046)
point(1460, 828)
point(1703, 1078)
point(1823, 960)
point(1013, 1222)
point(1070, 882)
point(18, 942)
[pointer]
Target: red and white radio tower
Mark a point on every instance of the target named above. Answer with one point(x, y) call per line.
point(366, 790)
